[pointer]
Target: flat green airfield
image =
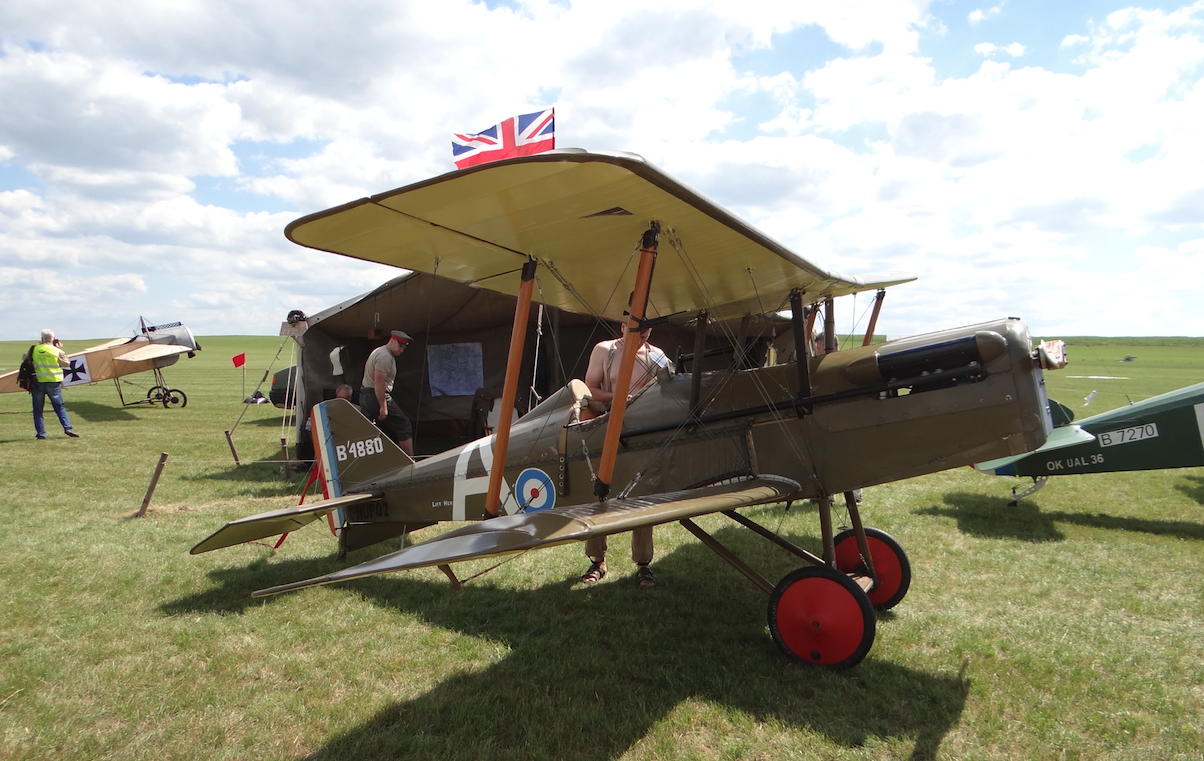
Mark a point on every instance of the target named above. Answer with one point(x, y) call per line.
point(1066, 627)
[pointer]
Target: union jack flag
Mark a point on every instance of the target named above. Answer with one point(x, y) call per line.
point(517, 136)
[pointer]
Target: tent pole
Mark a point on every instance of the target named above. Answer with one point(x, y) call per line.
point(518, 336)
point(618, 406)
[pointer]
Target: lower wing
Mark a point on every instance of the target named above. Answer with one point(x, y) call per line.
point(546, 528)
point(152, 351)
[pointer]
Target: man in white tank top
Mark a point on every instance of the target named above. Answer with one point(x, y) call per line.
point(600, 379)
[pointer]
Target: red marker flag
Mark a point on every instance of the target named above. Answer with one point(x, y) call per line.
point(240, 359)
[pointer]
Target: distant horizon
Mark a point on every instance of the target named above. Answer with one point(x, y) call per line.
point(1151, 340)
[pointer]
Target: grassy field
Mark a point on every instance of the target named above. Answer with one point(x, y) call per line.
point(1066, 627)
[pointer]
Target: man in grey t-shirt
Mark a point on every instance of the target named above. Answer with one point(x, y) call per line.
point(376, 398)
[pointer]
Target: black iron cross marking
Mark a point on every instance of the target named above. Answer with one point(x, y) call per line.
point(76, 371)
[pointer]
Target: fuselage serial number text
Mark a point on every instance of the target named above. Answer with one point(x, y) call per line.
point(359, 448)
point(1128, 435)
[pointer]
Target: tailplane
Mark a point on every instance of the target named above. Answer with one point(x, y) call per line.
point(352, 449)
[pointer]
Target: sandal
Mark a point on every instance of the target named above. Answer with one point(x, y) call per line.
point(596, 572)
point(644, 577)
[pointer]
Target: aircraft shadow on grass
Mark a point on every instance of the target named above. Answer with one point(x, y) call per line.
point(273, 422)
point(581, 682)
point(89, 412)
point(994, 518)
point(1194, 489)
point(263, 479)
point(93, 412)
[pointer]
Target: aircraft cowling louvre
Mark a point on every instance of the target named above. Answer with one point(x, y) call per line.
point(982, 348)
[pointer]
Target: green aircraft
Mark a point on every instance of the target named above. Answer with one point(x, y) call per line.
point(1165, 431)
point(584, 227)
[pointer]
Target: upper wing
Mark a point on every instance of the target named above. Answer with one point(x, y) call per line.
point(580, 215)
point(1062, 437)
point(151, 351)
point(527, 531)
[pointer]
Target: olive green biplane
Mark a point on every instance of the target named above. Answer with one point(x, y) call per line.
point(584, 230)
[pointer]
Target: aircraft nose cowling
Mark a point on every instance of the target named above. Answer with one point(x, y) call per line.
point(984, 347)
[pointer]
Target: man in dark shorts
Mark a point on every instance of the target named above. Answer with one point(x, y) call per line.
point(376, 398)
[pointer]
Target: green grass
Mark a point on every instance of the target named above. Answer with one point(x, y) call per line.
point(1066, 627)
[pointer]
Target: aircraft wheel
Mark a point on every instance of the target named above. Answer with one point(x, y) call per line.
point(890, 564)
point(174, 398)
point(819, 615)
point(156, 393)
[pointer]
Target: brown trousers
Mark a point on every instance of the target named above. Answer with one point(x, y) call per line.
point(641, 546)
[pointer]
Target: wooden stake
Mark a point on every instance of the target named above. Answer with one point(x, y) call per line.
point(233, 451)
point(284, 449)
point(150, 490)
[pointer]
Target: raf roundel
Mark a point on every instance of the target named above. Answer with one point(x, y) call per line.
point(534, 490)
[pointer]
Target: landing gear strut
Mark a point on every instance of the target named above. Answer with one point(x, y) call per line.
point(823, 614)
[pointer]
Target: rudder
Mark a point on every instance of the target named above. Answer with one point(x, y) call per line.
point(352, 449)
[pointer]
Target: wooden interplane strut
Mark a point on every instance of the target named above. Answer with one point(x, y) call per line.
point(518, 336)
point(869, 331)
point(631, 344)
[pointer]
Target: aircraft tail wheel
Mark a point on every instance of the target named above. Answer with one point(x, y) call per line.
point(819, 615)
point(890, 565)
point(174, 398)
point(156, 393)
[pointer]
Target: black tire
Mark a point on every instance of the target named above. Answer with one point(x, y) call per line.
point(890, 564)
point(818, 615)
point(156, 393)
point(174, 398)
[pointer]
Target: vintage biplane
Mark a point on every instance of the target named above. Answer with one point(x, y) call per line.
point(1165, 431)
point(585, 230)
point(153, 348)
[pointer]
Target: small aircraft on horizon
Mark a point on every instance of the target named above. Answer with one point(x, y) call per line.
point(1165, 431)
point(153, 348)
point(797, 426)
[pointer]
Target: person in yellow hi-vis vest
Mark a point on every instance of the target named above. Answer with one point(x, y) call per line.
point(48, 363)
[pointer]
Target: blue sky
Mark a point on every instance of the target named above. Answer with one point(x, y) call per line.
point(1022, 158)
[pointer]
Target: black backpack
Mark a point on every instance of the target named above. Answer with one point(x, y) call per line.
point(26, 377)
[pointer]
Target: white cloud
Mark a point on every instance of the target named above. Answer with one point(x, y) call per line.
point(990, 185)
point(978, 15)
point(986, 48)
